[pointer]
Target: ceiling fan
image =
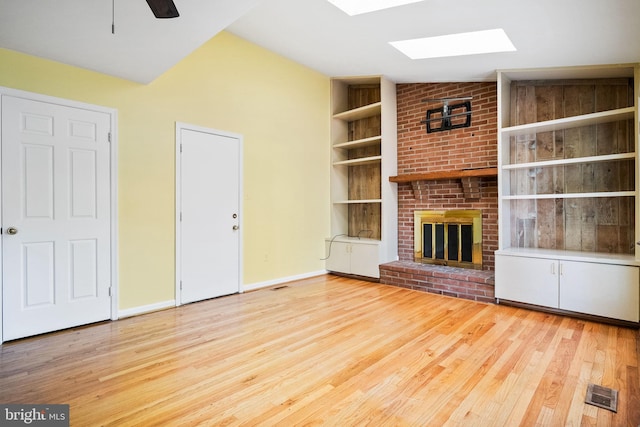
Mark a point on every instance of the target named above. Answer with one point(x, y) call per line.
point(163, 8)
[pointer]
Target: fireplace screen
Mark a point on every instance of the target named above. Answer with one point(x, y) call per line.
point(452, 237)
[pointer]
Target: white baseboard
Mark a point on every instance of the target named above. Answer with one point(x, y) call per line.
point(259, 285)
point(135, 311)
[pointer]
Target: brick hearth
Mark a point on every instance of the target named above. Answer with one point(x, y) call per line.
point(477, 285)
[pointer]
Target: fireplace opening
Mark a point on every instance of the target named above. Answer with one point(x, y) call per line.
point(450, 237)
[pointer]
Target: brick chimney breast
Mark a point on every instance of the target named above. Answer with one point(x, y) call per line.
point(457, 149)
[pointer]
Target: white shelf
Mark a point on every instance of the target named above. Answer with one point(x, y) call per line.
point(360, 113)
point(353, 239)
point(353, 202)
point(597, 257)
point(570, 122)
point(605, 71)
point(577, 160)
point(359, 162)
point(366, 142)
point(571, 195)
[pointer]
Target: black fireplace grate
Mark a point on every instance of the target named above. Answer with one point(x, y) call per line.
point(457, 246)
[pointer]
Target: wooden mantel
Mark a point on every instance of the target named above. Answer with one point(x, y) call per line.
point(437, 176)
point(470, 179)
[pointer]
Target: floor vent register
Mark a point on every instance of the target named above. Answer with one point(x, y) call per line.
point(602, 397)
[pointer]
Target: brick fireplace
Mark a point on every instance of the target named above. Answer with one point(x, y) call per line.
point(453, 161)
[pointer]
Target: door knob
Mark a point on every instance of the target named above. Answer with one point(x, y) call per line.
point(235, 227)
point(12, 230)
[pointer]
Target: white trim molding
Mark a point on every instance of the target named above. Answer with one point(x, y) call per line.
point(144, 309)
point(281, 280)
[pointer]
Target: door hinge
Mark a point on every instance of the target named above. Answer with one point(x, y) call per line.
point(180, 216)
point(109, 136)
point(110, 291)
point(180, 284)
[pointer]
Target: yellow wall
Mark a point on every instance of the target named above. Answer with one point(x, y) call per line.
point(280, 107)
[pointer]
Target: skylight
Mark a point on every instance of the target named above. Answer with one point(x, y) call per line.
point(474, 43)
point(357, 7)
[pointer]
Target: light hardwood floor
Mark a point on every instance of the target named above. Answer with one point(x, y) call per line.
point(330, 351)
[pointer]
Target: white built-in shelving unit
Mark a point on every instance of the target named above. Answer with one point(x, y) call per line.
point(576, 270)
point(363, 201)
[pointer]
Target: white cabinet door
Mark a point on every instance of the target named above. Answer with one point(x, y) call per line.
point(529, 280)
point(365, 259)
point(362, 259)
point(338, 257)
point(607, 290)
point(600, 289)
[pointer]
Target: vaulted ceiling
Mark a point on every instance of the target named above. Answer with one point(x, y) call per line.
point(318, 35)
point(78, 32)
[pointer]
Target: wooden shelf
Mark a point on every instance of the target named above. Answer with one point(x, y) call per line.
point(360, 113)
point(442, 175)
point(570, 122)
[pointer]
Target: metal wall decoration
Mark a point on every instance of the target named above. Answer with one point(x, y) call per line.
point(449, 116)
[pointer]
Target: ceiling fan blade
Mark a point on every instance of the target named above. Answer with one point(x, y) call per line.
point(163, 8)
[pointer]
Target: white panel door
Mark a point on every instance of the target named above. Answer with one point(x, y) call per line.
point(209, 235)
point(56, 241)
